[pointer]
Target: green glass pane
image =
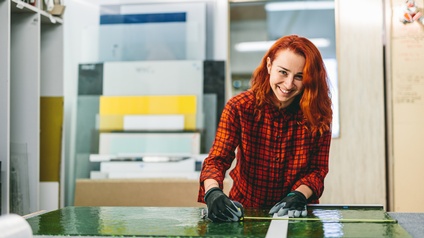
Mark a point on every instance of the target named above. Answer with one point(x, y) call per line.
point(187, 221)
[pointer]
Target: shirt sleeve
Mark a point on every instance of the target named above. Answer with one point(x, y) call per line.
point(222, 152)
point(318, 168)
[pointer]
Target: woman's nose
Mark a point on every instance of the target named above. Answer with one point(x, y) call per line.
point(289, 82)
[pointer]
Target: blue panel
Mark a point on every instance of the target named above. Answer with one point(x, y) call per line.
point(143, 18)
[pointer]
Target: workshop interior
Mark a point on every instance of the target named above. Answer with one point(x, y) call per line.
point(110, 107)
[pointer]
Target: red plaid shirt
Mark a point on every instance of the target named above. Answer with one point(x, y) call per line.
point(274, 155)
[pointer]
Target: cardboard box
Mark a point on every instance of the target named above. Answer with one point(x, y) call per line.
point(168, 192)
point(57, 10)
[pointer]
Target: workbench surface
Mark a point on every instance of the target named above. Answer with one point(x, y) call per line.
point(187, 222)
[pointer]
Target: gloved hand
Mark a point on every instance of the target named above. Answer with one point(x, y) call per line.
point(221, 208)
point(294, 205)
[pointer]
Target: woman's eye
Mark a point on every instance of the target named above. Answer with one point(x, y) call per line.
point(283, 72)
point(298, 77)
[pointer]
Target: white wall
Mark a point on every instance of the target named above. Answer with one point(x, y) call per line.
point(406, 74)
point(357, 158)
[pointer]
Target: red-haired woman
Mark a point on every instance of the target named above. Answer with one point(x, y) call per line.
point(280, 132)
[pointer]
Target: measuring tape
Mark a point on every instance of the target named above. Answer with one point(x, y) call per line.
point(345, 220)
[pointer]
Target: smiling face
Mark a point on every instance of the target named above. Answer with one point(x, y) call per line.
point(285, 77)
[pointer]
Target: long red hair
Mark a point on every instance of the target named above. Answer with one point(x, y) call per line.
point(315, 101)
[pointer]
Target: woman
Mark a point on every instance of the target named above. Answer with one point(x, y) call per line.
point(281, 131)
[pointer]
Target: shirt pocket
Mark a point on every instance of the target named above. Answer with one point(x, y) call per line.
point(301, 154)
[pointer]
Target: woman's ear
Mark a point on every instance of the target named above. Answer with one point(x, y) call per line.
point(268, 64)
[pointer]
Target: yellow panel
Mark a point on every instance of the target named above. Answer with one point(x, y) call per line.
point(111, 122)
point(189, 121)
point(130, 105)
point(113, 108)
point(51, 120)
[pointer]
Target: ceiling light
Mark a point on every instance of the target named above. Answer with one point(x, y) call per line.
point(253, 46)
point(265, 45)
point(292, 6)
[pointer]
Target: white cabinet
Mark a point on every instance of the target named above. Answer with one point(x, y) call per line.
point(31, 66)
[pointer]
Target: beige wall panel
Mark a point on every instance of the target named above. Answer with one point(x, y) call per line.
point(407, 78)
point(357, 157)
point(163, 192)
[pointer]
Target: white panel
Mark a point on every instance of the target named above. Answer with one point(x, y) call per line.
point(49, 196)
point(357, 157)
point(153, 78)
point(25, 94)
point(154, 122)
point(4, 104)
point(100, 157)
point(278, 228)
point(186, 165)
point(98, 175)
point(144, 175)
point(149, 143)
point(407, 111)
point(51, 60)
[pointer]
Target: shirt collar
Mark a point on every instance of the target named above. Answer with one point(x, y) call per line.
point(285, 113)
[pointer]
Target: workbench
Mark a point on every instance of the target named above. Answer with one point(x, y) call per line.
point(325, 221)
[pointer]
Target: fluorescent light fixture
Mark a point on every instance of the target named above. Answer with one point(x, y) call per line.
point(253, 46)
point(265, 45)
point(305, 5)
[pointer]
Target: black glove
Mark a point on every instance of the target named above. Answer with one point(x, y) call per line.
point(221, 208)
point(294, 205)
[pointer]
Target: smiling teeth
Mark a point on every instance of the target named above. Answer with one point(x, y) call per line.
point(282, 90)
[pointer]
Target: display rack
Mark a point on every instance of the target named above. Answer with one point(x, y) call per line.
point(31, 66)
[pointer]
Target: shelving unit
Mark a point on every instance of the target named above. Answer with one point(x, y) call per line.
point(31, 66)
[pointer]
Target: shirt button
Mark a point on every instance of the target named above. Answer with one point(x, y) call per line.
point(277, 159)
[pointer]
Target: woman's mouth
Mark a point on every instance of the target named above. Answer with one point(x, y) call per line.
point(283, 91)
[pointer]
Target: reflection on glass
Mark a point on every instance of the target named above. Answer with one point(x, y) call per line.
point(19, 180)
point(254, 26)
point(330, 229)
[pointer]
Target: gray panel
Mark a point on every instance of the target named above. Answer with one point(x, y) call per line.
point(83, 166)
point(86, 133)
point(86, 140)
point(90, 79)
point(210, 107)
point(214, 83)
point(154, 41)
